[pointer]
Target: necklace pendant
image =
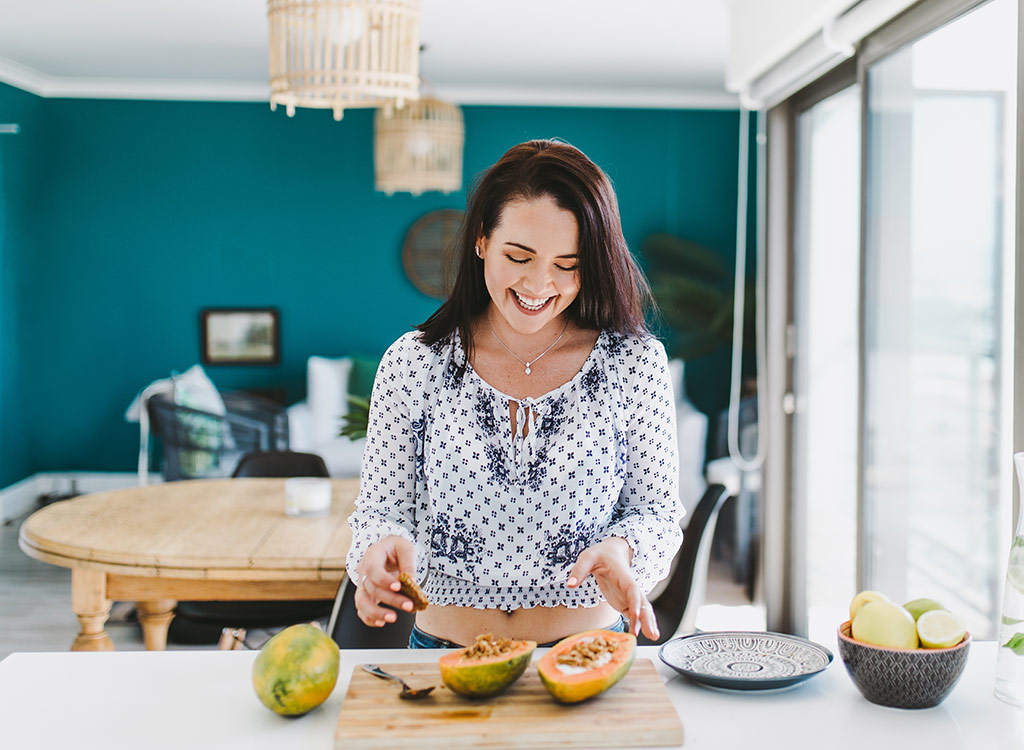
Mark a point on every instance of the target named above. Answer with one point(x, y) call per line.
point(527, 369)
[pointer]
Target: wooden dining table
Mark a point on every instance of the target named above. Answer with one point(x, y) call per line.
point(201, 540)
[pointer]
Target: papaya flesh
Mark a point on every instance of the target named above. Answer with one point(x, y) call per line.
point(586, 664)
point(487, 667)
point(296, 670)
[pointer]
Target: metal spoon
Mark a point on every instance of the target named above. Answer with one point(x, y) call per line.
point(407, 692)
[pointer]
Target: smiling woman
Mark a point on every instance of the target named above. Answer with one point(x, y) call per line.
point(521, 446)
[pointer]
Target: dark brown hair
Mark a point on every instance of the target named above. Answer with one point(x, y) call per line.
point(614, 294)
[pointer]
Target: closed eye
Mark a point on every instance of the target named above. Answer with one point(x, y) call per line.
point(520, 261)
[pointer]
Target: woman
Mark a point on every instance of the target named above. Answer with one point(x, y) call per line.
point(521, 448)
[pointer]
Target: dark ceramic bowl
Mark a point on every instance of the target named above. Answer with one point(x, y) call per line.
point(902, 678)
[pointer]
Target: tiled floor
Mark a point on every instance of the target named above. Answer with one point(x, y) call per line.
point(35, 604)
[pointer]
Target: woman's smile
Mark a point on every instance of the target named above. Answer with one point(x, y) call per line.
point(530, 305)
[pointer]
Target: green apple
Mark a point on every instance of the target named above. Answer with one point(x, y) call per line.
point(883, 623)
point(940, 628)
point(917, 607)
point(863, 598)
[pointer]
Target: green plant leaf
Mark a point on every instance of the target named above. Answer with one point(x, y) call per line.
point(1010, 621)
point(683, 256)
point(1016, 644)
point(357, 419)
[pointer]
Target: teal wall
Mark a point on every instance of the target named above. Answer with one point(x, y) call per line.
point(20, 186)
point(147, 212)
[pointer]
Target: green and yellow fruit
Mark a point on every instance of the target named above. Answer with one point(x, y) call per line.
point(584, 665)
point(883, 623)
point(939, 628)
point(863, 598)
point(296, 670)
point(487, 667)
point(917, 607)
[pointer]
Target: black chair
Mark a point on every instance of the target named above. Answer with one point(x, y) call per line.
point(676, 607)
point(280, 464)
point(198, 444)
point(348, 631)
point(203, 622)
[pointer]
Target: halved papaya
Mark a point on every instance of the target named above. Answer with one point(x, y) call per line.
point(586, 664)
point(487, 667)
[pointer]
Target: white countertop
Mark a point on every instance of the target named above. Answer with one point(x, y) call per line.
point(204, 699)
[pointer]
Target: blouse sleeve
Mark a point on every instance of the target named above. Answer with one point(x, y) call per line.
point(387, 484)
point(649, 511)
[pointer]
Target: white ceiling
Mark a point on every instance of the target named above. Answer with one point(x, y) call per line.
point(654, 53)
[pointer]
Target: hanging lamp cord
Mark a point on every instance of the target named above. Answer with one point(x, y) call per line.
point(741, 462)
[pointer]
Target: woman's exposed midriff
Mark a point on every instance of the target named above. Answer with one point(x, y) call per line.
point(541, 624)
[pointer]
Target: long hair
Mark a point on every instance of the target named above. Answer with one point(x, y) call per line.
point(614, 293)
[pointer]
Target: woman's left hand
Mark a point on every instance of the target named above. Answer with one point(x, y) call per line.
point(608, 561)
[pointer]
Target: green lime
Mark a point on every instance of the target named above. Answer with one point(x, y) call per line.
point(940, 628)
point(918, 607)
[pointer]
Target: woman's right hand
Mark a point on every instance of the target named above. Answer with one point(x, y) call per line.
point(378, 574)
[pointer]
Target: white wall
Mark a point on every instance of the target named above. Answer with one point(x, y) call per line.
point(762, 32)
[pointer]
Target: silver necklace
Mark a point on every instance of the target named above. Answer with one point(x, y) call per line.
point(534, 360)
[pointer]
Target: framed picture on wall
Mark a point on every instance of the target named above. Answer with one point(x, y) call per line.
point(240, 336)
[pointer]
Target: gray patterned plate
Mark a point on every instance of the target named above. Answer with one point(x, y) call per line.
point(740, 660)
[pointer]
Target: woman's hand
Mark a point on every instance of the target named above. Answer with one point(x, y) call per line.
point(378, 574)
point(608, 561)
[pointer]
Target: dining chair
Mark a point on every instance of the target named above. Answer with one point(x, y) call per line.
point(343, 624)
point(198, 444)
point(676, 607)
point(348, 631)
point(280, 464)
point(205, 622)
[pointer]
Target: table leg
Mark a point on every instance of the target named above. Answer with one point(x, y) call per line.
point(156, 617)
point(91, 606)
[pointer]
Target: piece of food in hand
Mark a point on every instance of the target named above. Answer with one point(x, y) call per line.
point(413, 591)
point(296, 670)
point(883, 623)
point(917, 607)
point(586, 664)
point(940, 628)
point(487, 667)
point(863, 598)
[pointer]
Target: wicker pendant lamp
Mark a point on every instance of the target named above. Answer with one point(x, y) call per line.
point(335, 54)
point(418, 148)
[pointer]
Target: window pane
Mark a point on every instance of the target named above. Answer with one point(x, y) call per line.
point(940, 120)
point(826, 264)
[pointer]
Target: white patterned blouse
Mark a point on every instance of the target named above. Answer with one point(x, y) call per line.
point(498, 519)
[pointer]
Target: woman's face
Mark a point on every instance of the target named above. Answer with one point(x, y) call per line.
point(530, 263)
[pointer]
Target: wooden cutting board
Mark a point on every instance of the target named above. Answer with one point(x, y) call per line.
point(635, 713)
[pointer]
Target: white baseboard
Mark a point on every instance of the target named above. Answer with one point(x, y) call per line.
point(22, 497)
point(19, 498)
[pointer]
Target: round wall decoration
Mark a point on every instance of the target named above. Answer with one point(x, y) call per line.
point(426, 246)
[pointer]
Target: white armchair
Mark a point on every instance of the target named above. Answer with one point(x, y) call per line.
point(313, 424)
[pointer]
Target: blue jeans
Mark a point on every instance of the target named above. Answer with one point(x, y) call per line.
point(419, 639)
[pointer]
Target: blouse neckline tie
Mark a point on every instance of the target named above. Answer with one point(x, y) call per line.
point(530, 414)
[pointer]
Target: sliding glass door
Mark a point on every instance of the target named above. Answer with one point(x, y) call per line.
point(826, 374)
point(940, 115)
point(901, 323)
